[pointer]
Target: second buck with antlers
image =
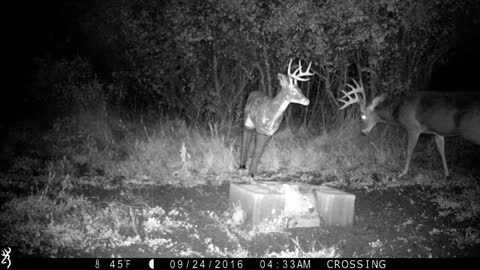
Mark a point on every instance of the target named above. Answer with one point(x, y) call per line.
point(264, 114)
point(437, 113)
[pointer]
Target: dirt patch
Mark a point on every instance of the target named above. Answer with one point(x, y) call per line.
point(393, 222)
point(95, 218)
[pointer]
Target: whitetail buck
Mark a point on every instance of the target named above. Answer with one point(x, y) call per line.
point(264, 114)
point(437, 113)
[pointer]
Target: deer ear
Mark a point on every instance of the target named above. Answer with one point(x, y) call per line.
point(376, 101)
point(284, 81)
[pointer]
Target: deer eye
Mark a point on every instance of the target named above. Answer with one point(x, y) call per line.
point(363, 116)
point(293, 90)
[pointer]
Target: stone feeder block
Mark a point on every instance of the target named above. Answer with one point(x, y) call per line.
point(302, 205)
point(260, 203)
point(334, 206)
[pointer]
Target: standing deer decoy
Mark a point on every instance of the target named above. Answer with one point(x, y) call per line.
point(264, 114)
point(438, 113)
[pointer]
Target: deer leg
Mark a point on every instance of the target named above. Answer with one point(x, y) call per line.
point(440, 140)
point(412, 142)
point(260, 143)
point(246, 141)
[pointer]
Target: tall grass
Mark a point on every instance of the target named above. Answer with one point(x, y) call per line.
point(171, 150)
point(91, 140)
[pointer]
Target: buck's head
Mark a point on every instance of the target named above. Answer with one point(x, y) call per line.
point(368, 115)
point(289, 84)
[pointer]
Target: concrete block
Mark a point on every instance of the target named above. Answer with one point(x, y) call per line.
point(260, 203)
point(335, 207)
point(299, 204)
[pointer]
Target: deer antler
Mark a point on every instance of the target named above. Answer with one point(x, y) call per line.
point(352, 97)
point(298, 73)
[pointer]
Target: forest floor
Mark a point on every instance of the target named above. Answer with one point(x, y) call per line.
point(105, 218)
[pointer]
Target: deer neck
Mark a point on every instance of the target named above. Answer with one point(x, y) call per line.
point(274, 112)
point(387, 115)
point(278, 106)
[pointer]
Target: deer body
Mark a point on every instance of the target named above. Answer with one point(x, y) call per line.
point(437, 113)
point(263, 114)
point(449, 114)
point(444, 114)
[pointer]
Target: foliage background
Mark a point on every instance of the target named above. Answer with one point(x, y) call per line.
point(197, 60)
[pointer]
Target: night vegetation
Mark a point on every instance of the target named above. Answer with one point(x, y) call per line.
point(123, 115)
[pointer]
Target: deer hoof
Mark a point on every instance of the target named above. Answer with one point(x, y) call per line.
point(242, 167)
